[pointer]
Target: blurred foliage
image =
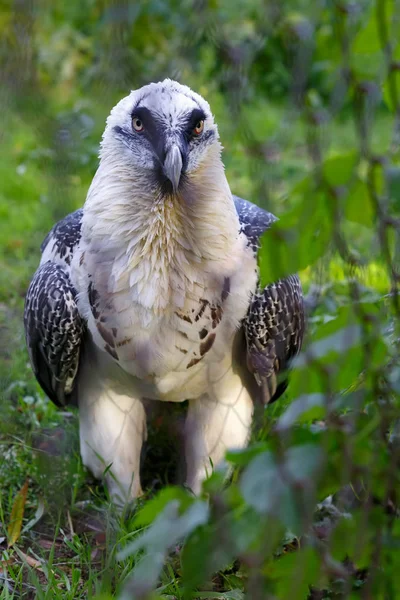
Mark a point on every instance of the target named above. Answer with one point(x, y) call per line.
point(306, 95)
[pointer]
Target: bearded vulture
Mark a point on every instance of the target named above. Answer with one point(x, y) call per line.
point(151, 292)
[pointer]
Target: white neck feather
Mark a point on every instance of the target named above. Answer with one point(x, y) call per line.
point(163, 250)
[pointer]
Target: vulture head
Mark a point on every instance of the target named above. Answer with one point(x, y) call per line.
point(163, 133)
point(160, 204)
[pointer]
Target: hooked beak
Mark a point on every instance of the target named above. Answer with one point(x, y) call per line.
point(173, 166)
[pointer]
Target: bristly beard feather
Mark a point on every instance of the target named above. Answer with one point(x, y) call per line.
point(161, 246)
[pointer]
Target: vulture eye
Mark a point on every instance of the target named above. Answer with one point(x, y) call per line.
point(199, 128)
point(137, 124)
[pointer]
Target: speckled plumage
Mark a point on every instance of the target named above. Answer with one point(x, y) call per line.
point(64, 236)
point(143, 293)
point(254, 221)
point(274, 328)
point(274, 324)
point(54, 331)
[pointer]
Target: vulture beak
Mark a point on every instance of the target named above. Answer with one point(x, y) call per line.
point(173, 166)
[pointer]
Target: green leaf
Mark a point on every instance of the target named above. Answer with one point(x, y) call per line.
point(245, 530)
point(300, 238)
point(388, 97)
point(337, 343)
point(272, 486)
point(304, 409)
point(244, 456)
point(358, 205)
point(156, 505)
point(303, 462)
point(195, 557)
point(170, 527)
point(339, 169)
point(352, 538)
point(367, 40)
point(393, 186)
point(207, 550)
point(295, 573)
point(261, 485)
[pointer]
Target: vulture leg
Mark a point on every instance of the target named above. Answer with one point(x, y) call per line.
point(112, 428)
point(215, 423)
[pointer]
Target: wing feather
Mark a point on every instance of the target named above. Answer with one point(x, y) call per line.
point(274, 330)
point(54, 331)
point(275, 322)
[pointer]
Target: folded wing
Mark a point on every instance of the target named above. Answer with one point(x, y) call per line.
point(274, 325)
point(54, 330)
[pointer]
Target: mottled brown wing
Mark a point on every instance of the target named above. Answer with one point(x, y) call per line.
point(275, 322)
point(54, 330)
point(274, 330)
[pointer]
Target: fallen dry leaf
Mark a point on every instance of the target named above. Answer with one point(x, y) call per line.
point(17, 514)
point(32, 562)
